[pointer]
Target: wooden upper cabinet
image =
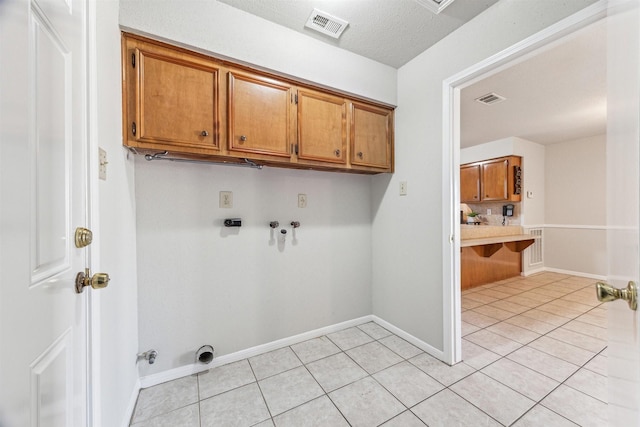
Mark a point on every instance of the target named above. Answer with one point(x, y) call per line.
point(259, 115)
point(322, 127)
point(371, 136)
point(174, 99)
point(195, 106)
point(470, 183)
point(491, 180)
point(494, 180)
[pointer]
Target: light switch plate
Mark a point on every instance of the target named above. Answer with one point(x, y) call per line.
point(302, 200)
point(102, 164)
point(226, 199)
point(403, 188)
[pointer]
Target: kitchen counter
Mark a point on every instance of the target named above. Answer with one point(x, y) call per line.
point(491, 253)
point(479, 231)
point(497, 239)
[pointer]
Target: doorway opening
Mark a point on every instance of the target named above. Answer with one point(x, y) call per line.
point(452, 89)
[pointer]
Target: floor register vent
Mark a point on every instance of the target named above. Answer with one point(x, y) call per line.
point(326, 24)
point(535, 250)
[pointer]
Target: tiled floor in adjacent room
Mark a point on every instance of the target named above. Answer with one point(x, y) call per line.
point(534, 354)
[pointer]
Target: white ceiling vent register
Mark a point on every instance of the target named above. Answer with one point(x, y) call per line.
point(326, 24)
point(435, 6)
point(490, 99)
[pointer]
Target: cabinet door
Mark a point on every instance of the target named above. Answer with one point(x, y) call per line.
point(494, 180)
point(322, 127)
point(176, 102)
point(470, 183)
point(259, 115)
point(371, 136)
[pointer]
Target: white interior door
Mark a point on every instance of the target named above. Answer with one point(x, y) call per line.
point(43, 181)
point(623, 213)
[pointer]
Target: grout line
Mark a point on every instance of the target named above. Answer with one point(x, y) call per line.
point(579, 367)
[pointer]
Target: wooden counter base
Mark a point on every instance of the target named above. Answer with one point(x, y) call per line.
point(477, 270)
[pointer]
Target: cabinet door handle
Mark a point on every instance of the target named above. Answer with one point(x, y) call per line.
point(243, 138)
point(337, 153)
point(360, 155)
point(204, 133)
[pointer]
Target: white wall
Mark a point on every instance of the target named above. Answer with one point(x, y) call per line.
point(219, 29)
point(575, 211)
point(198, 285)
point(407, 236)
point(201, 283)
point(116, 235)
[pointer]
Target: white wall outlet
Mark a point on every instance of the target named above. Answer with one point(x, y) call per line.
point(102, 164)
point(403, 188)
point(302, 200)
point(488, 211)
point(529, 194)
point(226, 199)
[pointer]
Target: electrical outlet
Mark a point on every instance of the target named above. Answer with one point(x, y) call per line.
point(102, 164)
point(488, 211)
point(403, 188)
point(302, 200)
point(226, 199)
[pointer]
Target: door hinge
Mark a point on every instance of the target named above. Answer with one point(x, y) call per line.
point(133, 60)
point(133, 128)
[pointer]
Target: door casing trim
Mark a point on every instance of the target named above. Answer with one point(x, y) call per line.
point(451, 88)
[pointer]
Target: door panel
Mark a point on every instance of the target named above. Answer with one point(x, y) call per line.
point(494, 180)
point(259, 115)
point(322, 127)
point(623, 208)
point(470, 184)
point(51, 146)
point(43, 182)
point(371, 133)
point(178, 101)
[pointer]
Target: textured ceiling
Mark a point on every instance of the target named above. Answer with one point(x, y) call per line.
point(388, 31)
point(557, 95)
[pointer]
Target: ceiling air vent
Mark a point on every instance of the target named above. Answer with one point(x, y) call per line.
point(435, 6)
point(326, 24)
point(490, 99)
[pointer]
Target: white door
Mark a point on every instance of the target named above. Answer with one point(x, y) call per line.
point(43, 182)
point(623, 213)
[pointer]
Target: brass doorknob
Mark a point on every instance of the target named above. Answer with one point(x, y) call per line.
point(97, 281)
point(608, 293)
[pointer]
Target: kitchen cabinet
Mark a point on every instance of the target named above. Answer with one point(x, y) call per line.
point(322, 127)
point(371, 136)
point(491, 180)
point(470, 183)
point(173, 99)
point(195, 106)
point(259, 114)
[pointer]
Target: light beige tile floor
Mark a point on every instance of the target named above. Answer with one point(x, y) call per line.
point(533, 355)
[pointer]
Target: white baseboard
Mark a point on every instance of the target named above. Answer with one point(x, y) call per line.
point(183, 371)
point(533, 271)
point(576, 273)
point(438, 354)
point(132, 404)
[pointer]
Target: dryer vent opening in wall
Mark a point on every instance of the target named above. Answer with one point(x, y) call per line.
point(326, 24)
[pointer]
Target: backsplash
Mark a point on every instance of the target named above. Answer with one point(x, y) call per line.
point(496, 212)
